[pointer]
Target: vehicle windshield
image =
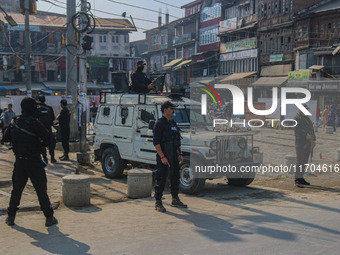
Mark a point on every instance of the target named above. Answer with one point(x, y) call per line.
point(191, 117)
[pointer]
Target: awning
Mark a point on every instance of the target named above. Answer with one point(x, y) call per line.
point(276, 70)
point(22, 87)
point(337, 49)
point(172, 63)
point(182, 64)
point(316, 67)
point(236, 76)
point(299, 84)
point(270, 82)
point(200, 83)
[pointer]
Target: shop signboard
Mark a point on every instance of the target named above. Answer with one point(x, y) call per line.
point(239, 55)
point(229, 24)
point(301, 75)
point(245, 44)
point(323, 86)
point(275, 57)
point(21, 27)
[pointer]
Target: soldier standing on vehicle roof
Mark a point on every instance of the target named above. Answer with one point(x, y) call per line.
point(28, 135)
point(167, 141)
point(140, 83)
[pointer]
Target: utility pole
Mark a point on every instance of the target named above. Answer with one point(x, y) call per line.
point(83, 81)
point(28, 50)
point(71, 70)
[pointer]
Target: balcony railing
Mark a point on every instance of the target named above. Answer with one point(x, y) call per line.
point(184, 38)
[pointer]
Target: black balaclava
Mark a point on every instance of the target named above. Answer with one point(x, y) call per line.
point(140, 68)
point(28, 106)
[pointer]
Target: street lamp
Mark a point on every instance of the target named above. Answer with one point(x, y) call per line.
point(9, 19)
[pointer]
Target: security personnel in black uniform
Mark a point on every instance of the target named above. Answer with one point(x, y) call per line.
point(140, 83)
point(64, 124)
point(167, 141)
point(28, 135)
point(46, 116)
point(304, 142)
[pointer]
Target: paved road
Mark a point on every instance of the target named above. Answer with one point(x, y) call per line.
point(240, 221)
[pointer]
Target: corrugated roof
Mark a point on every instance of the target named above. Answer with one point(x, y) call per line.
point(276, 70)
point(316, 67)
point(172, 63)
point(182, 64)
point(327, 7)
point(236, 76)
point(270, 81)
point(57, 20)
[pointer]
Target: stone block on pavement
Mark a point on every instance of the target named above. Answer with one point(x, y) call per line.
point(139, 183)
point(76, 190)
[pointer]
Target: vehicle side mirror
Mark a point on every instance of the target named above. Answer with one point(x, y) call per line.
point(151, 124)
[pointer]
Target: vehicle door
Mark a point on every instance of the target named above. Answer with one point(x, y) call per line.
point(143, 143)
point(123, 133)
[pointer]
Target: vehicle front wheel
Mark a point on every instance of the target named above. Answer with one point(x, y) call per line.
point(112, 163)
point(242, 180)
point(188, 183)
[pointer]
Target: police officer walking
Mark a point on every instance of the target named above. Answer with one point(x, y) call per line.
point(140, 83)
point(28, 135)
point(46, 116)
point(167, 141)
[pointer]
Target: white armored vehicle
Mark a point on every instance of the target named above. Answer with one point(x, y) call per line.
point(123, 135)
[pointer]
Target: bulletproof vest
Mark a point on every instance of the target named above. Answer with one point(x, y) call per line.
point(44, 115)
point(176, 136)
point(25, 141)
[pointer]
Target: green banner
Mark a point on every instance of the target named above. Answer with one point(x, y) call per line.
point(275, 57)
point(98, 62)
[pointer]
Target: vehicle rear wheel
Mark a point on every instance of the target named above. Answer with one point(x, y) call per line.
point(112, 163)
point(188, 183)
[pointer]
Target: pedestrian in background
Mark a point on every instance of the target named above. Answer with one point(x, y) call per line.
point(8, 116)
point(167, 142)
point(64, 124)
point(93, 111)
point(46, 116)
point(325, 114)
point(318, 115)
point(304, 143)
point(338, 115)
point(28, 135)
point(331, 122)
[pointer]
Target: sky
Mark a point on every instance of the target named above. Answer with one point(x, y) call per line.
point(135, 12)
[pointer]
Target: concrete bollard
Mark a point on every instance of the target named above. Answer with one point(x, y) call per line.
point(337, 155)
point(290, 161)
point(139, 183)
point(329, 130)
point(76, 190)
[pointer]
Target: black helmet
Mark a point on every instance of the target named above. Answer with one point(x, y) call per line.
point(28, 106)
point(41, 98)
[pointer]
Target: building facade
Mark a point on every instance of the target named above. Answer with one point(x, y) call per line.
point(111, 50)
point(238, 31)
point(277, 35)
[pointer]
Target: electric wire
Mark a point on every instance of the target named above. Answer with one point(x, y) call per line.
point(139, 7)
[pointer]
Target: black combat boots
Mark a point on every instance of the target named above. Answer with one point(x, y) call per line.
point(159, 206)
point(176, 202)
point(50, 221)
point(64, 157)
point(10, 220)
